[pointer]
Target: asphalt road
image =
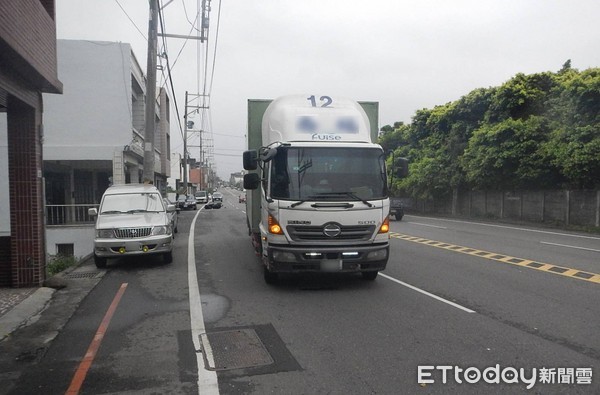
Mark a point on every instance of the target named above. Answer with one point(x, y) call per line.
point(457, 296)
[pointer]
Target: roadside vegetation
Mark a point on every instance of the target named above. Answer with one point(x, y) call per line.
point(537, 131)
point(58, 263)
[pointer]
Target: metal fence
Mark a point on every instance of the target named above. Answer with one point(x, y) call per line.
point(562, 207)
point(69, 214)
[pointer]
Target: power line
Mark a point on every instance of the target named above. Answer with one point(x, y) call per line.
point(131, 20)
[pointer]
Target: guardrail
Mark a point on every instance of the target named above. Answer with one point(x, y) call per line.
point(69, 214)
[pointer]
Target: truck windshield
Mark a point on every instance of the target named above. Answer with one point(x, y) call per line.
point(328, 173)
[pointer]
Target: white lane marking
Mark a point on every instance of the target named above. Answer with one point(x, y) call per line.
point(428, 294)
point(515, 228)
point(431, 226)
point(568, 246)
point(207, 380)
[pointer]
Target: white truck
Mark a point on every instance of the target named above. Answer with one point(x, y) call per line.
point(317, 195)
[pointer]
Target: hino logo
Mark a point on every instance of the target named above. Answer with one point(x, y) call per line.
point(332, 230)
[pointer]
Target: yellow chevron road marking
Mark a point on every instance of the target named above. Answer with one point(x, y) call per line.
point(545, 267)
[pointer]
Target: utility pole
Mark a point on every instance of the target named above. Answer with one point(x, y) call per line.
point(150, 93)
point(185, 158)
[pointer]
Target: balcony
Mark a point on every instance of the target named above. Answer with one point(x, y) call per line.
point(69, 214)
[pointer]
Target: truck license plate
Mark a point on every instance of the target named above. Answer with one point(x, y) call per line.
point(331, 265)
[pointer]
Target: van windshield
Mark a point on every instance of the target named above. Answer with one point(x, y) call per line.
point(128, 203)
point(333, 173)
point(200, 194)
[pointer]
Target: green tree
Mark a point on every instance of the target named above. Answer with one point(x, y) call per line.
point(509, 155)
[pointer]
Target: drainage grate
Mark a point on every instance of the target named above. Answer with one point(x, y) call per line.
point(237, 349)
point(82, 275)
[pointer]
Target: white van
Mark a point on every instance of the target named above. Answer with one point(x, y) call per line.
point(201, 197)
point(132, 220)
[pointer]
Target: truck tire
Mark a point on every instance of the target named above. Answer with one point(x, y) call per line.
point(399, 217)
point(369, 276)
point(270, 277)
point(168, 257)
point(100, 262)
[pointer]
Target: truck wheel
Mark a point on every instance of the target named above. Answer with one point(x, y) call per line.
point(168, 257)
point(399, 217)
point(100, 262)
point(270, 277)
point(369, 276)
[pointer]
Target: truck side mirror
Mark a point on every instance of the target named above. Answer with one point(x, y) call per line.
point(92, 212)
point(402, 170)
point(251, 181)
point(250, 160)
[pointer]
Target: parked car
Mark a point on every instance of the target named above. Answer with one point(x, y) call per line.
point(201, 196)
point(173, 215)
point(132, 220)
point(242, 199)
point(187, 202)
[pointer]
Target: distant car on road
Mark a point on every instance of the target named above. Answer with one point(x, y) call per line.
point(201, 196)
point(396, 209)
point(187, 202)
point(216, 201)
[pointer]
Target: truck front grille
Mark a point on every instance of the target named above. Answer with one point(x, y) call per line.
point(315, 233)
point(132, 233)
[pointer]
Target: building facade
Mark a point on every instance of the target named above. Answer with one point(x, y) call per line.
point(28, 68)
point(94, 137)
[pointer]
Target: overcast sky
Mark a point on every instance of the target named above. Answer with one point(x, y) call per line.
point(406, 55)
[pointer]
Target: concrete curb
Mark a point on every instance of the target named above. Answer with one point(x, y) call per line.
point(26, 312)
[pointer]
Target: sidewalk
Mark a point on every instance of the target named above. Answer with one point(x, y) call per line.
point(20, 307)
point(31, 318)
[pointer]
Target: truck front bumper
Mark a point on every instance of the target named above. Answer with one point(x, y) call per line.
point(295, 259)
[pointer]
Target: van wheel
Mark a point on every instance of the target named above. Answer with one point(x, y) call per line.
point(168, 257)
point(399, 217)
point(369, 276)
point(270, 277)
point(100, 262)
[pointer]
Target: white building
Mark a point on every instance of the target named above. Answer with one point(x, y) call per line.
point(94, 137)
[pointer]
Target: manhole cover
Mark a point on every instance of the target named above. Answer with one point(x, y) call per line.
point(82, 275)
point(235, 349)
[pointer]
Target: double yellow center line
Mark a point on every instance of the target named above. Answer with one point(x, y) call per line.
point(545, 267)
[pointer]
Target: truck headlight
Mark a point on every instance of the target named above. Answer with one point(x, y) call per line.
point(161, 230)
point(105, 234)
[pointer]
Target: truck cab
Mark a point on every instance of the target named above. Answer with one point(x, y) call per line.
point(318, 195)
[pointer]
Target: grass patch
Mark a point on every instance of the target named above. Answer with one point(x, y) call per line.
point(58, 263)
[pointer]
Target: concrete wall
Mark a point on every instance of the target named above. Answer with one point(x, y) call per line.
point(82, 238)
point(577, 207)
